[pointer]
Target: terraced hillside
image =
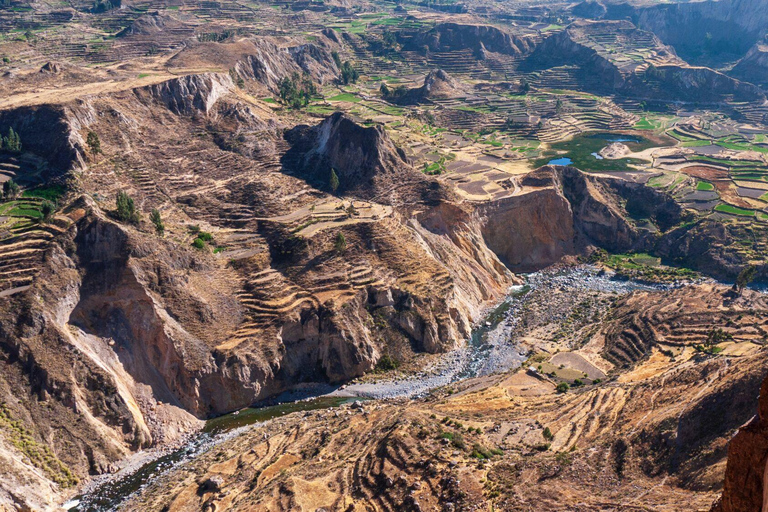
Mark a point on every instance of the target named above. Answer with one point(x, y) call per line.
point(644, 436)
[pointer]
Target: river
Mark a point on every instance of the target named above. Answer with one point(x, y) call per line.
point(490, 349)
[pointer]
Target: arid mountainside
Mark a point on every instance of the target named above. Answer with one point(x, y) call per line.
point(659, 74)
point(562, 211)
point(709, 32)
point(653, 433)
point(478, 38)
point(137, 309)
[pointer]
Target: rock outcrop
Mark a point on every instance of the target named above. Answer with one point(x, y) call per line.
point(446, 37)
point(262, 60)
point(563, 211)
point(368, 164)
point(437, 85)
point(753, 67)
point(663, 77)
point(745, 475)
point(190, 94)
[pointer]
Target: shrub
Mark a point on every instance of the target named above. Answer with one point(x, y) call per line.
point(348, 73)
point(157, 221)
point(10, 190)
point(93, 142)
point(480, 452)
point(47, 209)
point(205, 236)
point(296, 91)
point(333, 182)
point(340, 244)
point(11, 142)
point(578, 382)
point(387, 363)
point(562, 387)
point(198, 244)
point(547, 434)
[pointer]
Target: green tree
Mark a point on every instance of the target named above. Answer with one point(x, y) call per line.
point(340, 244)
point(334, 182)
point(93, 142)
point(126, 209)
point(10, 190)
point(348, 73)
point(154, 216)
point(746, 276)
point(12, 142)
point(547, 434)
point(714, 338)
point(336, 58)
point(562, 387)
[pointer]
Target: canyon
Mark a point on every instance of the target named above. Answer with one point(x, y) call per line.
point(497, 241)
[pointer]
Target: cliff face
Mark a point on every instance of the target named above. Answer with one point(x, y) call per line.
point(263, 60)
point(565, 211)
point(706, 32)
point(447, 37)
point(190, 94)
point(51, 132)
point(664, 76)
point(754, 66)
point(745, 475)
point(366, 161)
point(437, 85)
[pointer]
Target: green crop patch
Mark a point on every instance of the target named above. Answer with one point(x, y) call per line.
point(733, 210)
point(704, 186)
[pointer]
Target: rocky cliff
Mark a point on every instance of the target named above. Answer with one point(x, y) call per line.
point(563, 211)
point(365, 160)
point(151, 334)
point(663, 77)
point(710, 32)
point(446, 37)
point(745, 475)
point(437, 85)
point(753, 67)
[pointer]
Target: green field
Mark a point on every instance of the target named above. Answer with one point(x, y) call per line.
point(704, 186)
point(346, 97)
point(733, 210)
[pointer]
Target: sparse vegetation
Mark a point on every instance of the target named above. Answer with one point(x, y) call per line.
point(387, 363)
point(333, 182)
point(746, 276)
point(93, 142)
point(126, 209)
point(157, 221)
point(349, 74)
point(10, 190)
point(340, 243)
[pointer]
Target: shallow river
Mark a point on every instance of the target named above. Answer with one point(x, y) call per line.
point(490, 349)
